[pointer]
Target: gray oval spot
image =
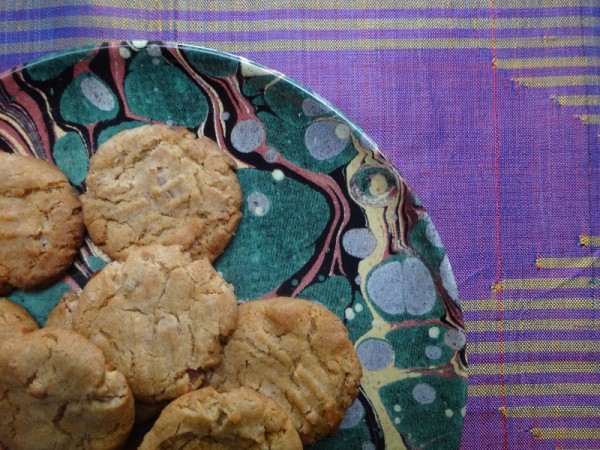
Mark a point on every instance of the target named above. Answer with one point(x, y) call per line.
point(354, 415)
point(154, 50)
point(424, 393)
point(448, 280)
point(258, 204)
point(402, 287)
point(418, 290)
point(367, 143)
point(368, 446)
point(455, 339)
point(97, 93)
point(322, 140)
point(375, 354)
point(247, 135)
point(432, 234)
point(271, 155)
point(312, 108)
point(359, 242)
point(384, 286)
point(433, 352)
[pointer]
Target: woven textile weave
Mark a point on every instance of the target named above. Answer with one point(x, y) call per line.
point(491, 111)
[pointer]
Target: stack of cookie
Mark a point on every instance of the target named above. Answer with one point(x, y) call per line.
point(158, 332)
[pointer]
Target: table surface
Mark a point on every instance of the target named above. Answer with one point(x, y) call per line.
point(490, 110)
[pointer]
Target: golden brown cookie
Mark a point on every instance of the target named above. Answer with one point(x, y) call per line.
point(14, 320)
point(298, 353)
point(61, 315)
point(159, 318)
point(161, 185)
point(41, 224)
point(241, 419)
point(56, 391)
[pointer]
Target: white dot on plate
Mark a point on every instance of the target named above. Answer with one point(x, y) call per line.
point(124, 52)
point(396, 420)
point(358, 308)
point(350, 314)
point(449, 413)
point(397, 408)
point(278, 175)
point(139, 43)
point(434, 332)
point(342, 131)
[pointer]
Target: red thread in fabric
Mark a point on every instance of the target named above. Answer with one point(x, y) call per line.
point(496, 137)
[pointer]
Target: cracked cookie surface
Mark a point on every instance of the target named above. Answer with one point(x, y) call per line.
point(298, 353)
point(160, 185)
point(56, 392)
point(14, 320)
point(205, 419)
point(159, 318)
point(61, 315)
point(41, 222)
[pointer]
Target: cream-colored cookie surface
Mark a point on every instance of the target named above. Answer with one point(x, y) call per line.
point(161, 185)
point(41, 223)
point(56, 392)
point(61, 315)
point(241, 419)
point(14, 320)
point(159, 318)
point(299, 354)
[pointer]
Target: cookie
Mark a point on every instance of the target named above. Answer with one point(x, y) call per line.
point(14, 320)
point(160, 185)
point(41, 223)
point(159, 318)
point(61, 315)
point(239, 419)
point(298, 353)
point(56, 391)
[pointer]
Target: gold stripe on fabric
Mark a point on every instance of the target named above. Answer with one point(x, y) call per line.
point(549, 63)
point(560, 80)
point(547, 283)
point(261, 5)
point(578, 100)
point(535, 367)
point(525, 346)
point(567, 262)
point(510, 304)
point(589, 241)
point(362, 24)
point(590, 119)
point(566, 433)
point(518, 390)
point(523, 412)
point(534, 325)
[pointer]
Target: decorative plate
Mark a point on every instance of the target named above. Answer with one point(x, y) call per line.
point(326, 216)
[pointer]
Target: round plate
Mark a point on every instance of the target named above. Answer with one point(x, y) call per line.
point(326, 217)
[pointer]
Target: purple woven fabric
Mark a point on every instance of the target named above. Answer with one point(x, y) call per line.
point(491, 112)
